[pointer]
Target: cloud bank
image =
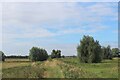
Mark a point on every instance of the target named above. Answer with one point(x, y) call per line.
point(48, 25)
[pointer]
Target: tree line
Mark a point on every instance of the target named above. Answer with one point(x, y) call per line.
point(40, 54)
point(17, 56)
point(88, 51)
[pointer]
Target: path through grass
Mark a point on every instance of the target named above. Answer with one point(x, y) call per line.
point(53, 70)
point(106, 69)
point(60, 68)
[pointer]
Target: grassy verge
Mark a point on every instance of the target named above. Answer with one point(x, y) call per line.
point(53, 70)
point(60, 68)
point(106, 69)
point(30, 71)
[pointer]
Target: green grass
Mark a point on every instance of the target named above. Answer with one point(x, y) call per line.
point(29, 71)
point(59, 68)
point(16, 60)
point(11, 62)
point(53, 70)
point(106, 69)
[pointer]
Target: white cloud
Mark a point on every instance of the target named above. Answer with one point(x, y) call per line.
point(25, 16)
point(24, 47)
point(59, 1)
point(37, 20)
point(113, 44)
point(0, 26)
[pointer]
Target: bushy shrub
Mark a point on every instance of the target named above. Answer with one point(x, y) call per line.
point(38, 54)
point(2, 56)
point(89, 50)
point(115, 52)
point(107, 52)
point(63, 56)
point(56, 54)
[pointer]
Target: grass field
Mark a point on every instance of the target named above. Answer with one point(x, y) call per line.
point(59, 68)
point(10, 63)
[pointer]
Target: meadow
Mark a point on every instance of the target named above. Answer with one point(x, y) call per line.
point(59, 68)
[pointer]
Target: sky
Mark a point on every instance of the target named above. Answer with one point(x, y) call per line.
point(57, 25)
point(59, 0)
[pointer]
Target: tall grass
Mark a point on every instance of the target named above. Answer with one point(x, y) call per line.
point(60, 68)
point(30, 71)
point(106, 69)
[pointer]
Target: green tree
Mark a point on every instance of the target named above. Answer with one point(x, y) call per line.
point(56, 54)
point(115, 52)
point(63, 56)
point(107, 52)
point(104, 52)
point(89, 50)
point(38, 54)
point(2, 56)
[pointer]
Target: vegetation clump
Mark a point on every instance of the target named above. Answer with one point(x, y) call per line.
point(107, 52)
point(89, 50)
point(2, 56)
point(115, 52)
point(56, 54)
point(38, 54)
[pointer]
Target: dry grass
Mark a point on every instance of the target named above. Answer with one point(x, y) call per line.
point(9, 63)
point(60, 68)
point(16, 60)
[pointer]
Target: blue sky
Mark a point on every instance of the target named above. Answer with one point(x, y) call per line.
point(57, 25)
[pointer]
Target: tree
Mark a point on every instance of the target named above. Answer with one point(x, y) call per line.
point(89, 50)
point(115, 52)
point(63, 56)
point(56, 54)
point(104, 52)
point(38, 54)
point(97, 52)
point(107, 53)
point(2, 56)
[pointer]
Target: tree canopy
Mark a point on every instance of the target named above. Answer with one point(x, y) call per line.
point(107, 53)
point(89, 50)
point(56, 54)
point(2, 56)
point(38, 54)
point(115, 52)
